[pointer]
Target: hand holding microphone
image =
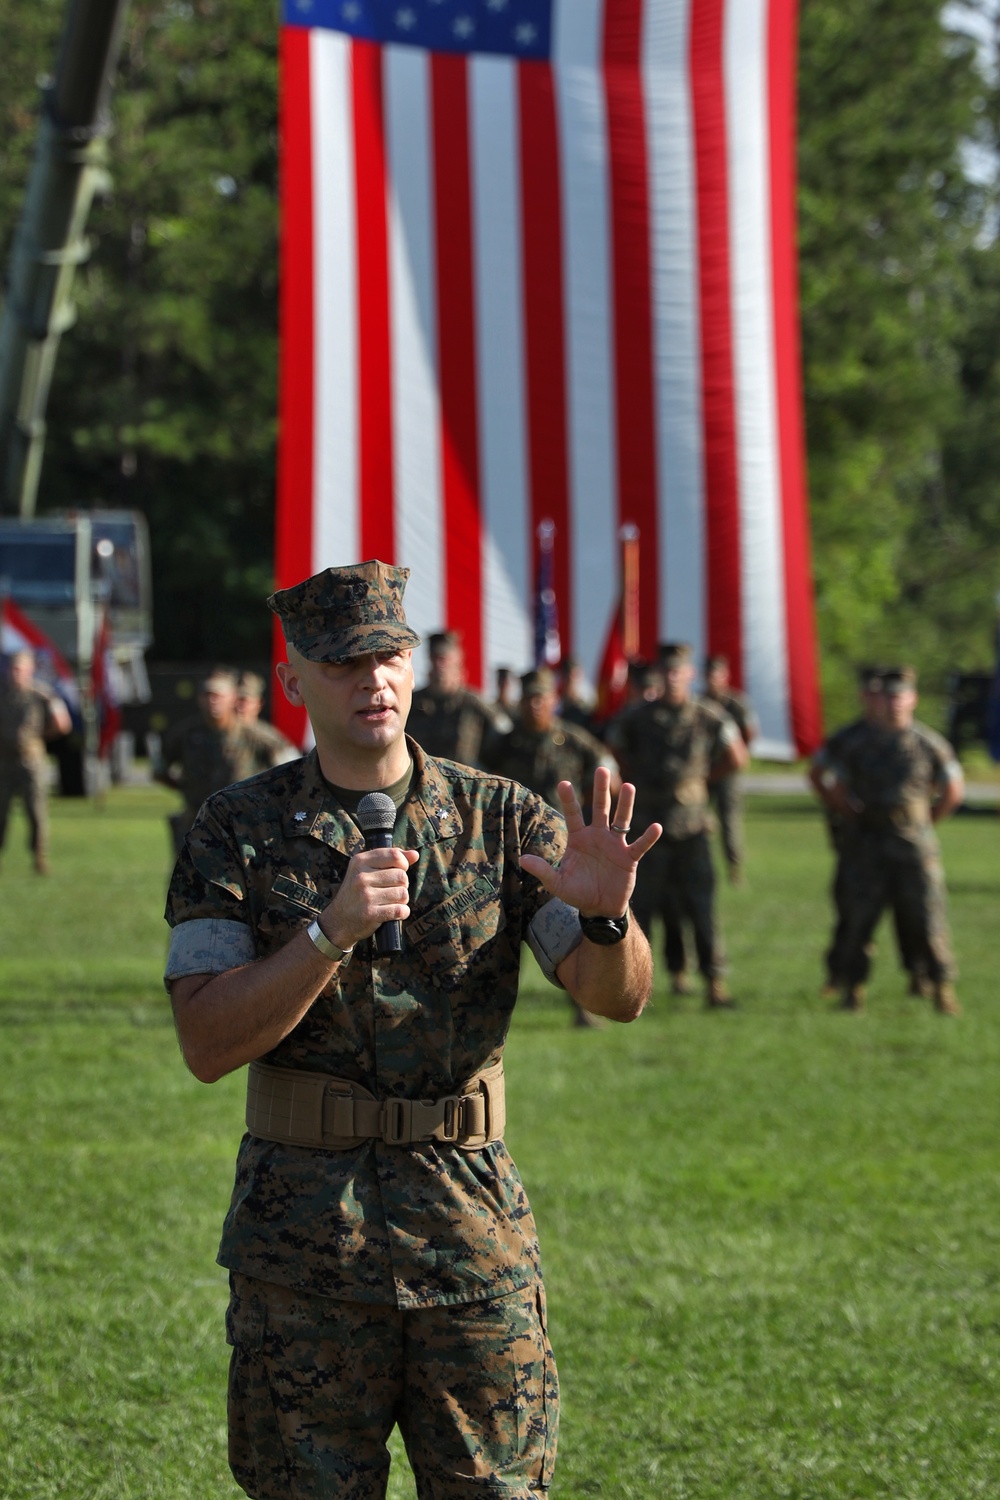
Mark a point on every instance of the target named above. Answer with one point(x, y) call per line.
point(376, 819)
point(373, 898)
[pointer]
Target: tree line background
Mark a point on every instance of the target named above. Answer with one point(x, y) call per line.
point(164, 397)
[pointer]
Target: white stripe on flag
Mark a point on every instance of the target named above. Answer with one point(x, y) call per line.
point(496, 227)
point(413, 305)
point(576, 57)
point(762, 579)
point(674, 232)
point(335, 503)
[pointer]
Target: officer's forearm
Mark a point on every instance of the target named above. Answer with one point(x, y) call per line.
point(615, 981)
point(226, 1020)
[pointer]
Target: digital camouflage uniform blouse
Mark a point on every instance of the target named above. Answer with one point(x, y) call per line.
point(416, 1225)
point(668, 751)
point(895, 773)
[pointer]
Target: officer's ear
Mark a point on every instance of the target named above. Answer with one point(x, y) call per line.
point(288, 676)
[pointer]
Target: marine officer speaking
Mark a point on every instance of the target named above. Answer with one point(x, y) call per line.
point(383, 1259)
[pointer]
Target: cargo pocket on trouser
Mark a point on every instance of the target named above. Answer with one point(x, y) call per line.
point(256, 1451)
point(482, 1400)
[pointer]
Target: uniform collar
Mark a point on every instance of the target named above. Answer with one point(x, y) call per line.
point(312, 810)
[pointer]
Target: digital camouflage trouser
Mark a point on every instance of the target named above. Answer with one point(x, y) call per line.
point(886, 870)
point(30, 783)
point(726, 796)
point(676, 880)
point(316, 1386)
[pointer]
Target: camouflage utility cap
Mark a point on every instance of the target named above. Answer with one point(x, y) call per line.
point(346, 612)
point(536, 683)
point(870, 679)
point(899, 680)
point(219, 680)
point(674, 654)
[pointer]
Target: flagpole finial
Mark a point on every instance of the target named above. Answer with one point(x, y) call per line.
point(629, 532)
point(546, 532)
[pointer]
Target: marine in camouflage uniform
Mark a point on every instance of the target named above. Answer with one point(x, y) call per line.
point(383, 1257)
point(30, 714)
point(671, 747)
point(204, 753)
point(273, 747)
point(542, 750)
point(889, 781)
point(447, 718)
point(726, 792)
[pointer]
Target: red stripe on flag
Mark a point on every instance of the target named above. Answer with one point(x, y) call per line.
point(803, 690)
point(296, 401)
point(632, 295)
point(722, 518)
point(376, 521)
point(544, 326)
point(457, 357)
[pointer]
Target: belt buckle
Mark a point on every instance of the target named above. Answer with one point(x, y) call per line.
point(396, 1121)
point(451, 1121)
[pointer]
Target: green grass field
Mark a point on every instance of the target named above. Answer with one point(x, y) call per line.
point(771, 1237)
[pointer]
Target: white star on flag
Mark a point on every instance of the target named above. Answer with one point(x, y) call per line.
point(350, 11)
point(496, 4)
point(525, 33)
point(464, 26)
point(406, 18)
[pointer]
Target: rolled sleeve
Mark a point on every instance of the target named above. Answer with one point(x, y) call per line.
point(208, 945)
point(553, 933)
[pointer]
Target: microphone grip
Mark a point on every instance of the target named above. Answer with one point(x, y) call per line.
point(388, 937)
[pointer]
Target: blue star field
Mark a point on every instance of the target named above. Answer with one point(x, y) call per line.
point(514, 28)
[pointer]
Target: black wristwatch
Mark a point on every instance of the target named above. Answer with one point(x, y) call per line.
point(604, 931)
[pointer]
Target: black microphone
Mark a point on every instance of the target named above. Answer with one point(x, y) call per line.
point(376, 818)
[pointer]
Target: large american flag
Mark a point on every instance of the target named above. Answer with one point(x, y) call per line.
point(538, 264)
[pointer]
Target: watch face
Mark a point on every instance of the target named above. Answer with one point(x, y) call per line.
point(604, 931)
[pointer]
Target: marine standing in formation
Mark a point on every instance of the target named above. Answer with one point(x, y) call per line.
point(30, 714)
point(726, 792)
point(274, 748)
point(383, 1257)
point(671, 747)
point(448, 719)
point(888, 779)
point(542, 751)
point(212, 750)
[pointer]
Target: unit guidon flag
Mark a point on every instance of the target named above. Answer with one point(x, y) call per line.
point(538, 266)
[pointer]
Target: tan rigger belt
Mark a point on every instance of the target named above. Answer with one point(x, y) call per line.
point(297, 1108)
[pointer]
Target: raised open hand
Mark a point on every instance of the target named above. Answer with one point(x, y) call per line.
point(597, 872)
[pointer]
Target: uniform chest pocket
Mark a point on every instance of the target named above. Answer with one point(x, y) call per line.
point(460, 933)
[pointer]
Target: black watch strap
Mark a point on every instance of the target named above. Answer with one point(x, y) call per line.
point(604, 931)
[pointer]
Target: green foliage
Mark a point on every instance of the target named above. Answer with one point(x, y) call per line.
point(164, 397)
point(889, 224)
point(770, 1236)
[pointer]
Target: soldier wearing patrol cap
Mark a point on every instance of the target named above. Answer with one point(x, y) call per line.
point(274, 747)
point(543, 750)
point(447, 718)
point(726, 792)
point(375, 1281)
point(888, 779)
point(671, 747)
point(30, 714)
point(201, 754)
